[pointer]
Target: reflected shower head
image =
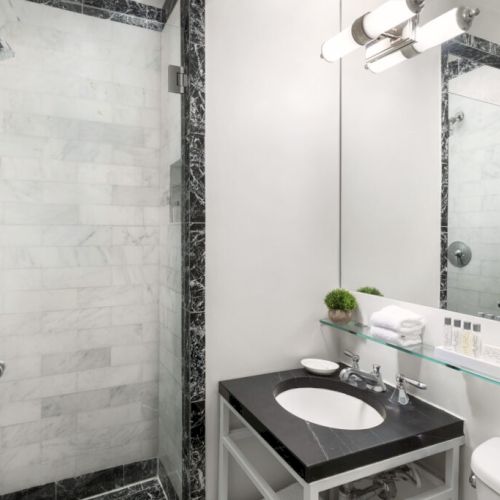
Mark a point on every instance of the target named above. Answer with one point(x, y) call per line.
point(6, 51)
point(457, 118)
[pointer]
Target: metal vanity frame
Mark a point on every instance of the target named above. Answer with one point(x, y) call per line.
point(228, 446)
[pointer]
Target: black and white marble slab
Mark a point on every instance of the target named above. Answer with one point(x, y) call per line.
point(194, 231)
point(95, 483)
point(122, 11)
point(314, 451)
point(458, 57)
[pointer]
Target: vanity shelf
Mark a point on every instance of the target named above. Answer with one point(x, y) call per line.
point(424, 351)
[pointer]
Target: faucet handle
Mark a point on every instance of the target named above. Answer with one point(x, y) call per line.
point(400, 394)
point(354, 357)
point(401, 380)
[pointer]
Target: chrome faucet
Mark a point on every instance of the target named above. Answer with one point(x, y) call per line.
point(358, 378)
point(400, 394)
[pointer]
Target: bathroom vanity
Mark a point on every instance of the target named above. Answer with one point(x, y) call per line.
point(321, 458)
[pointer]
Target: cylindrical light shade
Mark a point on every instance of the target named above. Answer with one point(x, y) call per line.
point(387, 16)
point(386, 62)
point(339, 46)
point(373, 24)
point(439, 30)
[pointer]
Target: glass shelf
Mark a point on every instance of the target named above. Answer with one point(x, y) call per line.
point(424, 351)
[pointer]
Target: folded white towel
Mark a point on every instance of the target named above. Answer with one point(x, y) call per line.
point(398, 319)
point(395, 338)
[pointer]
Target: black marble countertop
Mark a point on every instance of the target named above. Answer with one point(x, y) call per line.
point(314, 451)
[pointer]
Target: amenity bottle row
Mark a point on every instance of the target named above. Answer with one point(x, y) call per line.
point(464, 338)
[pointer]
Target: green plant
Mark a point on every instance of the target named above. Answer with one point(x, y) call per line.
point(340, 299)
point(370, 290)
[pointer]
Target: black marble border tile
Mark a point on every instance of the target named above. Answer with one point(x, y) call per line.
point(94, 483)
point(193, 238)
point(122, 11)
point(470, 52)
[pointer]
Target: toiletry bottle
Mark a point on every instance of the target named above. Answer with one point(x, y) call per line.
point(447, 333)
point(456, 335)
point(477, 341)
point(467, 339)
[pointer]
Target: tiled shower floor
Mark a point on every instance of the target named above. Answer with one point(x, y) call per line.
point(147, 490)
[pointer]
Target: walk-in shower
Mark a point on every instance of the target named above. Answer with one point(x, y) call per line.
point(96, 258)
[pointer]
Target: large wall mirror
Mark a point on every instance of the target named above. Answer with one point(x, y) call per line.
point(421, 169)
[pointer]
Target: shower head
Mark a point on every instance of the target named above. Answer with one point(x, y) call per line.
point(457, 118)
point(6, 51)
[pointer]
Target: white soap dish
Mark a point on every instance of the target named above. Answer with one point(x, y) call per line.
point(319, 366)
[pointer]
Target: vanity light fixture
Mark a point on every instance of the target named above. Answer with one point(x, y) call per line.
point(391, 33)
point(369, 27)
point(445, 27)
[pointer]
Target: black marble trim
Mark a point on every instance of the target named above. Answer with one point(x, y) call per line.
point(470, 53)
point(95, 483)
point(193, 238)
point(122, 11)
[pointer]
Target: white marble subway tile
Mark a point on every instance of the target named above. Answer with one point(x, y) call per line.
point(21, 147)
point(13, 236)
point(151, 255)
point(17, 435)
point(15, 191)
point(77, 151)
point(148, 118)
point(43, 214)
point(22, 279)
point(112, 336)
point(138, 235)
point(122, 255)
point(112, 174)
point(40, 126)
point(89, 194)
point(37, 388)
point(75, 361)
point(135, 275)
point(19, 412)
point(133, 354)
point(135, 196)
point(76, 319)
point(22, 456)
point(147, 78)
point(109, 296)
point(111, 215)
point(101, 378)
point(78, 235)
point(35, 301)
point(20, 368)
point(20, 324)
point(59, 170)
point(132, 314)
point(89, 421)
point(72, 404)
point(152, 216)
point(130, 156)
point(120, 132)
point(79, 277)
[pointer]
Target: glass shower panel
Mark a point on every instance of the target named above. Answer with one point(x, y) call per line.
point(474, 190)
point(170, 415)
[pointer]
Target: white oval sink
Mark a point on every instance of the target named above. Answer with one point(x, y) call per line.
point(329, 408)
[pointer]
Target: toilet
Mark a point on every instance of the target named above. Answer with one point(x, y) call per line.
point(485, 465)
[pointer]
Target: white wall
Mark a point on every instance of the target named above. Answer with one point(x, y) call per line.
point(272, 189)
point(79, 195)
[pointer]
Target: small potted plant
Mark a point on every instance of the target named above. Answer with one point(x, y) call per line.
point(371, 290)
point(341, 303)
